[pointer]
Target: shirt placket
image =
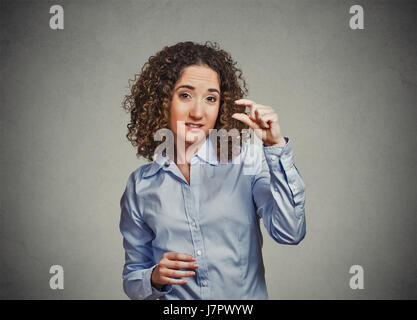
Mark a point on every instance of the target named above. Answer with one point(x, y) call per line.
point(192, 207)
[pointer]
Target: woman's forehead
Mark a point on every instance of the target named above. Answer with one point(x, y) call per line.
point(199, 75)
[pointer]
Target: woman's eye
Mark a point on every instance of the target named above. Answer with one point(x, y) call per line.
point(184, 95)
point(212, 99)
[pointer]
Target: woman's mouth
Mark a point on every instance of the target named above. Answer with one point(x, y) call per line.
point(193, 126)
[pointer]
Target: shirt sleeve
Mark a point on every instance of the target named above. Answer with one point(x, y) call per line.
point(279, 195)
point(137, 237)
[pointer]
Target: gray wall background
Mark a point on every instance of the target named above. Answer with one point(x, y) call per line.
point(346, 98)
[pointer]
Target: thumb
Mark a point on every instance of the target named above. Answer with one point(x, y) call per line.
point(246, 120)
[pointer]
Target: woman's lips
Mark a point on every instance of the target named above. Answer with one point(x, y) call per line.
point(193, 127)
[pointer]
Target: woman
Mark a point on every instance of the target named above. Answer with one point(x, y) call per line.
point(190, 222)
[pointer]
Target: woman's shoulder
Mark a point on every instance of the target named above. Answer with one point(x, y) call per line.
point(136, 175)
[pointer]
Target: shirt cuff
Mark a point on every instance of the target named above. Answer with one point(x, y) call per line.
point(151, 292)
point(279, 158)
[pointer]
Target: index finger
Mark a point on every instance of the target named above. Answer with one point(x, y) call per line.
point(244, 101)
point(179, 256)
point(251, 105)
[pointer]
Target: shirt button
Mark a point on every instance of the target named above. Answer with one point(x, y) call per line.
point(166, 164)
point(276, 189)
point(273, 158)
point(204, 283)
point(193, 224)
point(199, 252)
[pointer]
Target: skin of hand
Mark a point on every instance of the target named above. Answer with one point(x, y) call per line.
point(263, 118)
point(168, 267)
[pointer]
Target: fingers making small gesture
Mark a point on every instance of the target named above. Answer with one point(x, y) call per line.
point(263, 120)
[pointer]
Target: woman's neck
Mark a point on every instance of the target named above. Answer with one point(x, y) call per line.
point(182, 156)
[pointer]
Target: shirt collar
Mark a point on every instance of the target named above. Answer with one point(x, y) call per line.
point(206, 153)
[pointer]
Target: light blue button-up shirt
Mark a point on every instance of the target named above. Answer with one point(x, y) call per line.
point(215, 218)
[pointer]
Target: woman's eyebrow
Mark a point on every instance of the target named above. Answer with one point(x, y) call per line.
point(192, 88)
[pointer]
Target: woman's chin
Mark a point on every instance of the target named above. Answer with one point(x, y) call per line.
point(194, 137)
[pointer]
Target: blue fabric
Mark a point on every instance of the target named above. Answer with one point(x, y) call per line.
point(215, 218)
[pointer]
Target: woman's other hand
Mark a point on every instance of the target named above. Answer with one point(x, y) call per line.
point(168, 268)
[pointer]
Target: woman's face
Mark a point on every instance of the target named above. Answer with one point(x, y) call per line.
point(195, 104)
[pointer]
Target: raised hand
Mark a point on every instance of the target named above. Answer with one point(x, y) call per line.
point(263, 120)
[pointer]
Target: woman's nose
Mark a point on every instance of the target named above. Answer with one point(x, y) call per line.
point(197, 110)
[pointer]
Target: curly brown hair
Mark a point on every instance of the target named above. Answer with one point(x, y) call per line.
point(150, 95)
